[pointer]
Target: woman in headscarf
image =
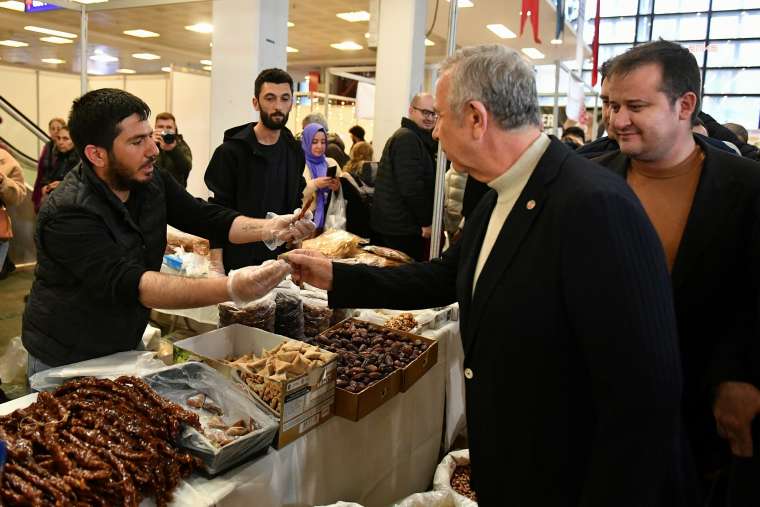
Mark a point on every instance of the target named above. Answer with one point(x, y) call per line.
point(319, 185)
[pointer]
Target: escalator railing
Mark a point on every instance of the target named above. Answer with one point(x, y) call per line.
point(23, 119)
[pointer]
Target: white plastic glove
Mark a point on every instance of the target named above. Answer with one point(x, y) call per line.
point(285, 228)
point(253, 282)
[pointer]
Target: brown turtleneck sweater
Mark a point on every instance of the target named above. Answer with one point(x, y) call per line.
point(667, 196)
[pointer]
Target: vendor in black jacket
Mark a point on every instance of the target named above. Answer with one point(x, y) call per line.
point(101, 237)
point(402, 211)
point(258, 168)
point(571, 367)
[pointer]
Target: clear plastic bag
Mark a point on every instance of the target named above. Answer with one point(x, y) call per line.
point(316, 317)
point(336, 244)
point(289, 318)
point(187, 380)
point(260, 313)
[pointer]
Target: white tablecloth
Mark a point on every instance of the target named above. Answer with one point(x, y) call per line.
point(386, 456)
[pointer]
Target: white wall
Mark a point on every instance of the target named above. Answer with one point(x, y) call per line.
point(152, 90)
point(190, 103)
point(19, 87)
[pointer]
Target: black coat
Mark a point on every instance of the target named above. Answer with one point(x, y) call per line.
point(573, 379)
point(715, 288)
point(237, 176)
point(405, 184)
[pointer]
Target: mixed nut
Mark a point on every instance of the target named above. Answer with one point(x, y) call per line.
point(368, 353)
point(402, 322)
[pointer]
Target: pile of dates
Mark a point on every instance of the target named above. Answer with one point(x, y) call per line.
point(368, 353)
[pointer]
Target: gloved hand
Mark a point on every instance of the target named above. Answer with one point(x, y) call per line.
point(286, 229)
point(253, 282)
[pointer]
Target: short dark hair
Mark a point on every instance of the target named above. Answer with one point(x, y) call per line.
point(739, 131)
point(680, 70)
point(166, 116)
point(357, 131)
point(604, 70)
point(574, 131)
point(274, 76)
point(95, 117)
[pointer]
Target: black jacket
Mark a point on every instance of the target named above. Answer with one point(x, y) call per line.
point(236, 177)
point(62, 165)
point(721, 133)
point(91, 254)
point(405, 184)
point(178, 162)
point(598, 147)
point(716, 288)
point(574, 378)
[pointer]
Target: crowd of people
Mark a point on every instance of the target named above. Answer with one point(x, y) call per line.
point(608, 290)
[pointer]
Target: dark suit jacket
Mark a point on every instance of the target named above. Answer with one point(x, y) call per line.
point(715, 288)
point(570, 337)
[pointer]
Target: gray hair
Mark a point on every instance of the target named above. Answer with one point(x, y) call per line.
point(315, 118)
point(499, 78)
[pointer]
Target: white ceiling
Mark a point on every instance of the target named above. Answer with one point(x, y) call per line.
point(316, 27)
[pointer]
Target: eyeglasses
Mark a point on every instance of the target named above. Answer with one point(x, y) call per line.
point(427, 113)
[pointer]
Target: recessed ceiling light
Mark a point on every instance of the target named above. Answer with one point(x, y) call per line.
point(556, 42)
point(463, 3)
point(206, 62)
point(366, 35)
point(166, 69)
point(103, 58)
point(13, 5)
point(354, 16)
point(53, 61)
point(291, 24)
point(141, 33)
point(533, 53)
point(145, 56)
point(57, 40)
point(201, 28)
point(292, 50)
point(347, 45)
point(90, 1)
point(126, 71)
point(501, 31)
point(428, 42)
point(48, 31)
point(13, 43)
point(207, 67)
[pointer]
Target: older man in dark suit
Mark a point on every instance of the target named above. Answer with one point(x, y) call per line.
point(573, 379)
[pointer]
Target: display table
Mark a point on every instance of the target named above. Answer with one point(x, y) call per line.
point(386, 456)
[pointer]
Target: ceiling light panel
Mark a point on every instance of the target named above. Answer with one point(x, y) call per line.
point(533, 53)
point(206, 62)
point(143, 34)
point(502, 31)
point(13, 5)
point(347, 45)
point(103, 58)
point(200, 28)
point(145, 56)
point(463, 3)
point(48, 31)
point(354, 17)
point(13, 43)
point(56, 40)
point(126, 71)
point(53, 61)
point(292, 50)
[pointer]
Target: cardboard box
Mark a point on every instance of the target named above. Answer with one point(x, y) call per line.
point(306, 400)
point(354, 406)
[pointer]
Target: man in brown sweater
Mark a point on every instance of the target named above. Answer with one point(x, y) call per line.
point(705, 207)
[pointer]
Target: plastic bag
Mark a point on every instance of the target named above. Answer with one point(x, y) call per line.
point(389, 253)
point(429, 499)
point(335, 244)
point(444, 472)
point(13, 362)
point(335, 217)
point(185, 263)
point(289, 319)
point(188, 242)
point(260, 313)
point(131, 362)
point(183, 381)
point(316, 317)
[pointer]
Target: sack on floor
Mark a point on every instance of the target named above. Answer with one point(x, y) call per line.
point(445, 472)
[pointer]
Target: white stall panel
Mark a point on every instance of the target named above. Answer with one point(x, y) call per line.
point(151, 89)
point(19, 87)
point(191, 105)
point(57, 92)
point(98, 82)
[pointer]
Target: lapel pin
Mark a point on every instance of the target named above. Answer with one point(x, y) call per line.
point(531, 204)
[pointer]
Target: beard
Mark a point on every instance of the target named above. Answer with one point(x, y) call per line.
point(275, 121)
point(122, 178)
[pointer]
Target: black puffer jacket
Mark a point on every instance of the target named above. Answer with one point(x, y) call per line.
point(405, 186)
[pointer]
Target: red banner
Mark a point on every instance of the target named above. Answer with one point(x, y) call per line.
point(595, 47)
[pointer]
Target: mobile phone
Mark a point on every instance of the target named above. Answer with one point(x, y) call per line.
point(332, 171)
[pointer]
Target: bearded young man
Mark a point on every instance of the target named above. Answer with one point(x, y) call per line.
point(258, 168)
point(101, 237)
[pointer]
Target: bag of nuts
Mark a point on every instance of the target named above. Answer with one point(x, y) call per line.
point(259, 313)
point(453, 474)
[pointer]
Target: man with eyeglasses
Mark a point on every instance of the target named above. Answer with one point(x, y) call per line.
point(402, 212)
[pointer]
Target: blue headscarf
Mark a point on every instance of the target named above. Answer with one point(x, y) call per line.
point(318, 168)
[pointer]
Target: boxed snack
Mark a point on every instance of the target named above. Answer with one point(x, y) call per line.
point(300, 401)
point(234, 427)
point(374, 363)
